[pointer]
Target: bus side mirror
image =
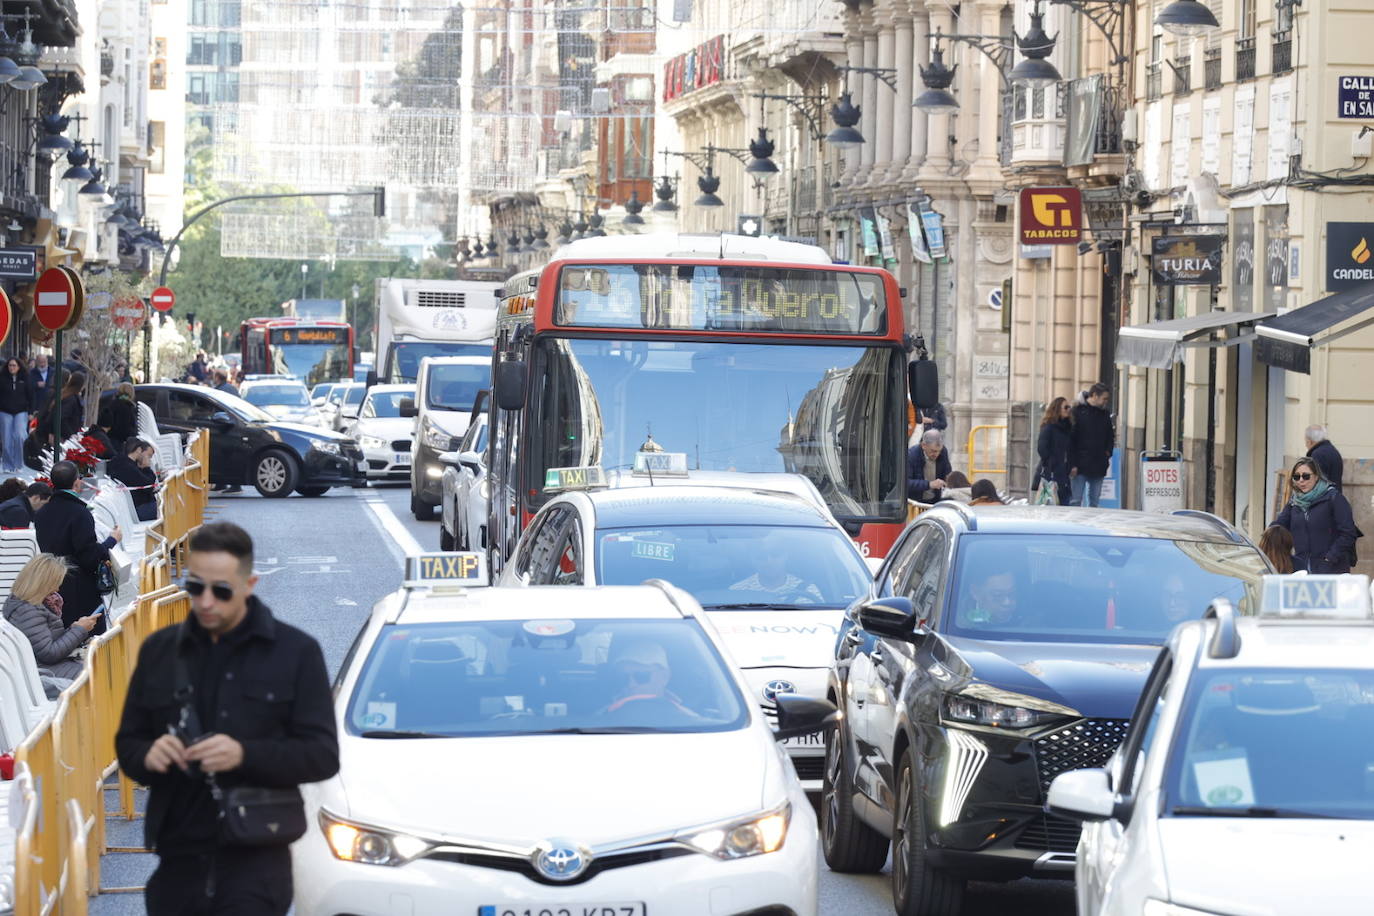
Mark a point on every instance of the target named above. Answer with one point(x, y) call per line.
point(510, 384)
point(407, 407)
point(371, 378)
point(923, 383)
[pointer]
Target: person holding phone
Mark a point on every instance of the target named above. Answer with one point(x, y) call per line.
point(65, 527)
point(35, 608)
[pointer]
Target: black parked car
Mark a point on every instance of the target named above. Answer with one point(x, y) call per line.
point(248, 446)
point(1000, 647)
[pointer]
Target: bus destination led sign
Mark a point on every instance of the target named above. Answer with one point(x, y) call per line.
point(310, 335)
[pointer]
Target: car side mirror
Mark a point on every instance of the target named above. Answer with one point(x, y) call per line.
point(510, 384)
point(1084, 795)
point(222, 418)
point(407, 407)
point(450, 459)
point(798, 716)
point(892, 617)
point(472, 460)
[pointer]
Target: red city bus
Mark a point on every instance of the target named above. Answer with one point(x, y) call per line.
point(311, 350)
point(750, 355)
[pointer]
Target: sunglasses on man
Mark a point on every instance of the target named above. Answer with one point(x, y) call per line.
point(196, 587)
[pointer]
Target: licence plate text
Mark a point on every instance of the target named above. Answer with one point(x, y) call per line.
point(816, 740)
point(568, 909)
point(400, 458)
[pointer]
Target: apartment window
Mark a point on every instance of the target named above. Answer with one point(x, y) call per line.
point(157, 142)
point(1211, 68)
point(1154, 81)
point(1183, 74)
point(1245, 44)
point(1283, 36)
point(157, 74)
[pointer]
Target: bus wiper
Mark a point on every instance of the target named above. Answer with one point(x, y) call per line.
point(763, 606)
point(399, 733)
point(1251, 811)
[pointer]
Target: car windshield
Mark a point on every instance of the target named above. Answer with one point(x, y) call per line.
point(737, 565)
point(455, 386)
point(1275, 743)
point(1092, 588)
point(321, 392)
point(544, 676)
point(387, 403)
point(833, 413)
point(277, 395)
point(405, 361)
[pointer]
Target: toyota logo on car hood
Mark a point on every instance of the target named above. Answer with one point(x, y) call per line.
point(561, 861)
point(772, 689)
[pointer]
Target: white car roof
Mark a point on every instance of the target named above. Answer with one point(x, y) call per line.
point(392, 388)
point(1298, 644)
point(779, 482)
point(621, 602)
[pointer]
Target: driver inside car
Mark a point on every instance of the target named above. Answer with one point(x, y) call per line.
point(772, 577)
point(642, 675)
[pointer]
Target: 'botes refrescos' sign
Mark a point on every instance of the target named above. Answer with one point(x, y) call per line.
point(1186, 260)
point(1051, 216)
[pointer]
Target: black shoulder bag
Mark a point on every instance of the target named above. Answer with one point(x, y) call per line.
point(248, 815)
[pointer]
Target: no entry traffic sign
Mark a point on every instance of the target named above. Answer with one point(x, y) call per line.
point(128, 313)
point(163, 299)
point(54, 299)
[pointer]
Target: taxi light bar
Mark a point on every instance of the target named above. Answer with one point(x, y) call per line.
point(581, 478)
point(462, 569)
point(1334, 597)
point(660, 464)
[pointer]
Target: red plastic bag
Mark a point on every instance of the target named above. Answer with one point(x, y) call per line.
point(6, 766)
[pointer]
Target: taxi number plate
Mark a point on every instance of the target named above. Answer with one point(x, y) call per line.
point(564, 909)
point(400, 458)
point(816, 740)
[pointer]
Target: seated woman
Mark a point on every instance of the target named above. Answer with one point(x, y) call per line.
point(958, 488)
point(35, 608)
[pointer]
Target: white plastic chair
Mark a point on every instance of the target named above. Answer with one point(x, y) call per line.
point(17, 547)
point(16, 652)
point(146, 422)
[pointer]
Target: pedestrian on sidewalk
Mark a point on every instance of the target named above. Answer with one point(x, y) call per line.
point(984, 493)
point(1090, 453)
point(1056, 439)
point(927, 466)
point(1321, 522)
point(1276, 543)
point(16, 403)
point(1320, 450)
point(229, 699)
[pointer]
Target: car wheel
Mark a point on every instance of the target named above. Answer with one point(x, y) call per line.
point(849, 844)
point(918, 889)
point(422, 510)
point(274, 474)
point(445, 539)
point(312, 491)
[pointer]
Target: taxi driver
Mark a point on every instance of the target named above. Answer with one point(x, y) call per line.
point(772, 576)
point(994, 601)
point(642, 675)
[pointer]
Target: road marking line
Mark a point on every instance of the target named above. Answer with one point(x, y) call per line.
point(392, 525)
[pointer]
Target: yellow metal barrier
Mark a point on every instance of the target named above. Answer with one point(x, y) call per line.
point(993, 459)
point(70, 755)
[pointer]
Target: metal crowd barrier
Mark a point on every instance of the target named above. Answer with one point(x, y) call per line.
point(70, 755)
point(993, 440)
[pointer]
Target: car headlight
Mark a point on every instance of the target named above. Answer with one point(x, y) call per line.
point(329, 448)
point(1161, 908)
point(753, 835)
point(1002, 709)
point(438, 440)
point(372, 442)
point(369, 845)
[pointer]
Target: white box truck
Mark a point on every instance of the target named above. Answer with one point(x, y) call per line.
point(419, 318)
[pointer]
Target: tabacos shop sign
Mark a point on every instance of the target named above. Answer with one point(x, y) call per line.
point(1051, 216)
point(1349, 255)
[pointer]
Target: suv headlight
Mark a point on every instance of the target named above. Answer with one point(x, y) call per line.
point(753, 835)
point(993, 708)
point(437, 439)
point(369, 845)
point(372, 442)
point(329, 448)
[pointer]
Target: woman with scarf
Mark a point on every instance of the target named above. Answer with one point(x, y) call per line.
point(1321, 522)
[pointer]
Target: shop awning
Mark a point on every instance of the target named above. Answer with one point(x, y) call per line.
point(1286, 342)
point(1160, 344)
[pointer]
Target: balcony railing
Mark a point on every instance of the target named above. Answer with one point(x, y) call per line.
point(804, 190)
point(1283, 51)
point(1154, 81)
point(1183, 75)
point(1211, 69)
point(1245, 58)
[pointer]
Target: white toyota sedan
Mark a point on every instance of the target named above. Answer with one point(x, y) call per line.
point(1243, 786)
point(383, 434)
point(559, 751)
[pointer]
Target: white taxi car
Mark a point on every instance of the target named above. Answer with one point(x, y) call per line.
point(1245, 784)
point(773, 570)
point(383, 434)
point(580, 751)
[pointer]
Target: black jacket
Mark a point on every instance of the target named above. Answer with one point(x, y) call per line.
point(916, 484)
point(1329, 460)
point(936, 416)
point(65, 527)
point(73, 418)
point(107, 448)
point(1094, 437)
point(123, 420)
point(16, 394)
point(1056, 439)
point(16, 512)
point(41, 384)
point(263, 684)
point(1323, 535)
point(140, 481)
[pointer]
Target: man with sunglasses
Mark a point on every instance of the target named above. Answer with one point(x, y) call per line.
point(230, 697)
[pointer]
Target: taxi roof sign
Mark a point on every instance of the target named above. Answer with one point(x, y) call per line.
point(660, 464)
point(1336, 597)
point(454, 569)
point(582, 478)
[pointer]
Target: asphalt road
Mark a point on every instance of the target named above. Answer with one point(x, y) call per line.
point(324, 562)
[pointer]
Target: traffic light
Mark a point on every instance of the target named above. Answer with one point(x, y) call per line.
point(379, 201)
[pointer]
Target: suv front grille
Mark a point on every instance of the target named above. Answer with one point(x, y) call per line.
point(400, 445)
point(1052, 834)
point(809, 767)
point(1086, 743)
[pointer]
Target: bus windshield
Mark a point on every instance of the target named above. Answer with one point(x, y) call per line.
point(833, 413)
point(406, 356)
point(312, 363)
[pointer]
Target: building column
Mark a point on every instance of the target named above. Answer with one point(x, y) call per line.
point(868, 124)
point(938, 126)
point(901, 112)
point(854, 57)
point(920, 57)
point(989, 97)
point(882, 123)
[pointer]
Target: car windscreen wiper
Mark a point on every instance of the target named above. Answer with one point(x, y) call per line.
point(399, 733)
point(595, 730)
point(1251, 811)
point(765, 606)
